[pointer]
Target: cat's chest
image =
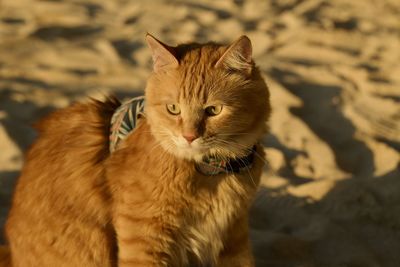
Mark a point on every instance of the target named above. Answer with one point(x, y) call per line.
point(214, 213)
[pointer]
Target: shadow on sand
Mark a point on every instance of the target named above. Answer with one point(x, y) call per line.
point(356, 216)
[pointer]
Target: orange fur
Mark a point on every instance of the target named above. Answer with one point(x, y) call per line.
point(146, 204)
point(5, 260)
point(60, 214)
point(167, 214)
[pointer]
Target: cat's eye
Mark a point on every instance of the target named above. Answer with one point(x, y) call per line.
point(213, 110)
point(173, 109)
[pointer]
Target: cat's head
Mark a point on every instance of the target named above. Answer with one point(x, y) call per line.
point(206, 99)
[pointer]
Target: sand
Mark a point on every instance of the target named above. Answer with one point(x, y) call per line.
point(330, 195)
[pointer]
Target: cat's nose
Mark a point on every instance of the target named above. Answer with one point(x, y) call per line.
point(190, 137)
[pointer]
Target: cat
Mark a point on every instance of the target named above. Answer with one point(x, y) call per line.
point(174, 193)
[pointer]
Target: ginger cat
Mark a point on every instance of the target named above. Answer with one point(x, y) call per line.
point(153, 202)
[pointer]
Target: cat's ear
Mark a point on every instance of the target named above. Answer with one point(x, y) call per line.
point(163, 55)
point(238, 56)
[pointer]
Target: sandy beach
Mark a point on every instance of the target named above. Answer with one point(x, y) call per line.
point(330, 194)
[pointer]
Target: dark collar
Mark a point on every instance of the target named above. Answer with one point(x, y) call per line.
point(214, 166)
point(124, 121)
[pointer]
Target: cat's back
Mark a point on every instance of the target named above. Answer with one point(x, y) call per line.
point(72, 145)
point(61, 201)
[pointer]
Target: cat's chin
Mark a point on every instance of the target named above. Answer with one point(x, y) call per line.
point(186, 153)
point(191, 156)
point(197, 152)
point(192, 153)
point(199, 155)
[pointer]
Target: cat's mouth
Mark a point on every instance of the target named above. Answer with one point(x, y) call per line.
point(205, 147)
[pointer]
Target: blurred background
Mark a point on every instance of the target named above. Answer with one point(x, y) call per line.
point(331, 194)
